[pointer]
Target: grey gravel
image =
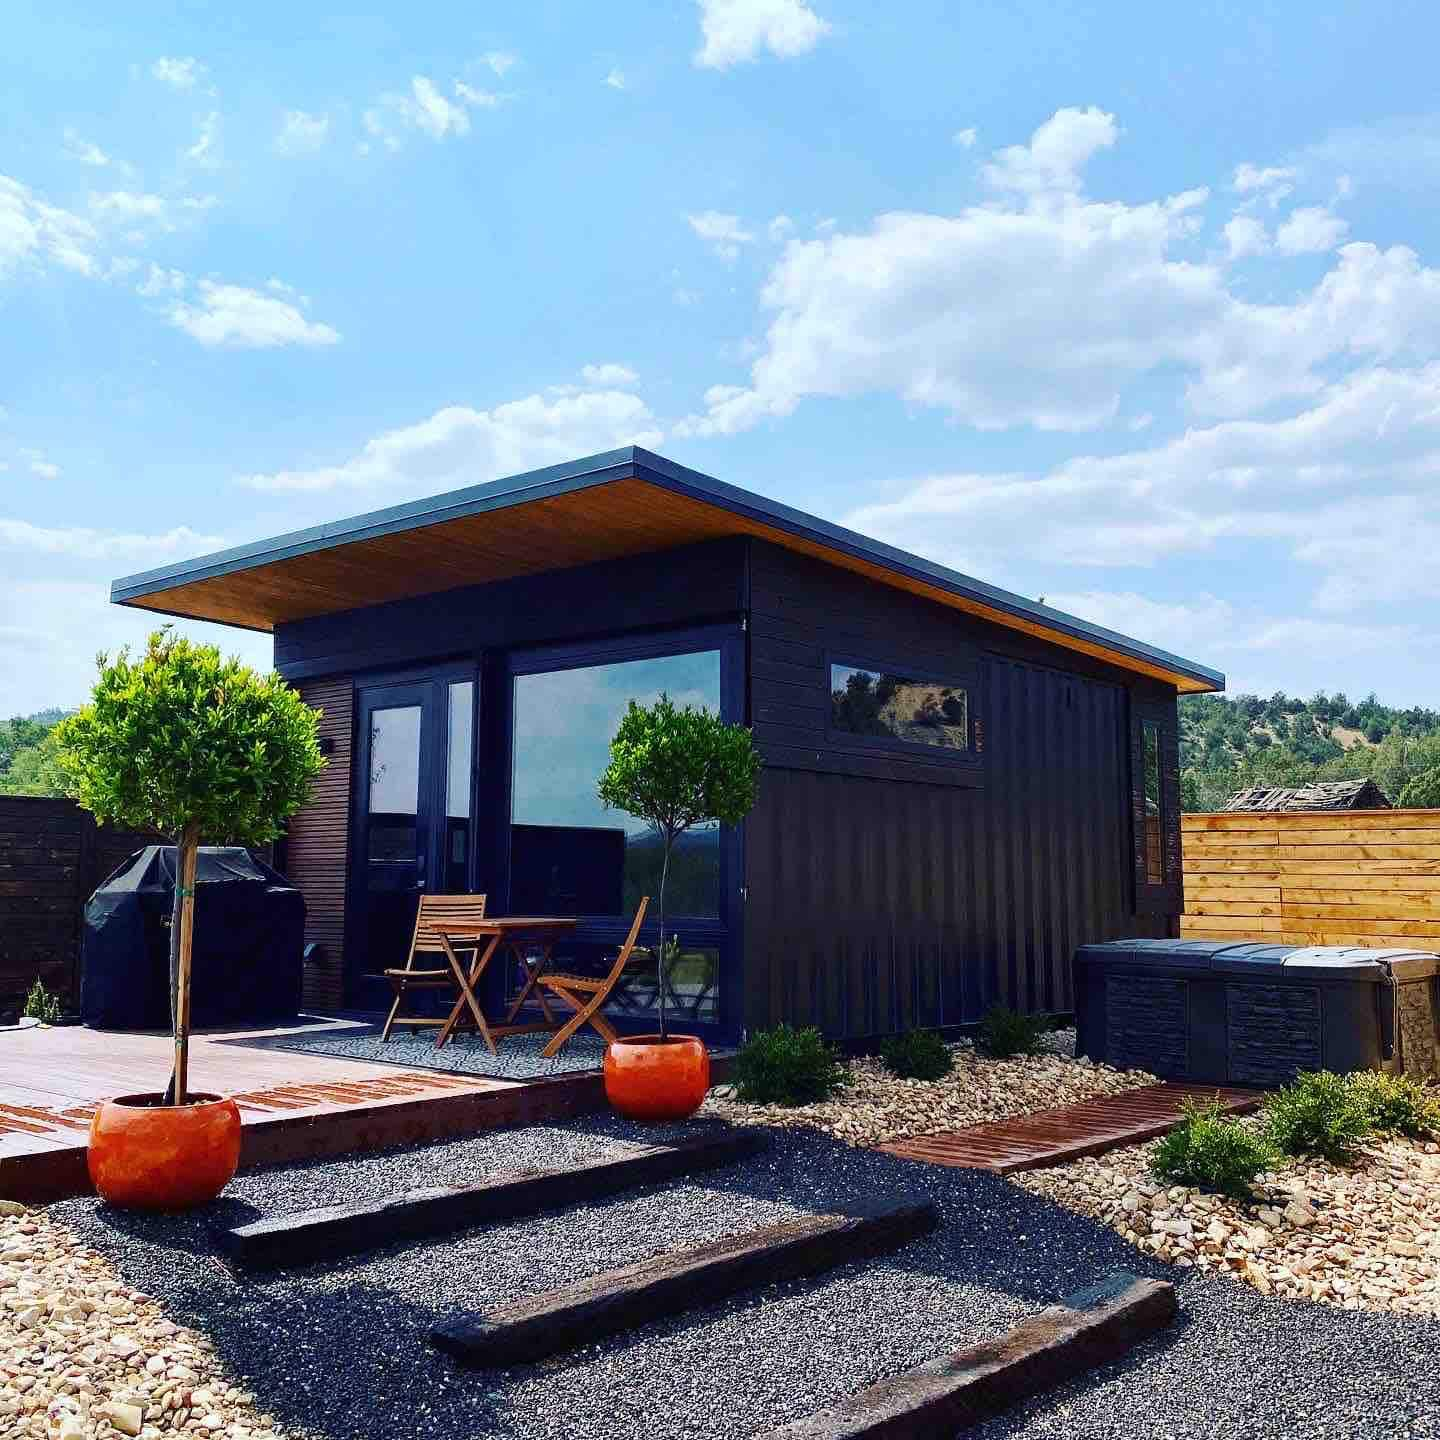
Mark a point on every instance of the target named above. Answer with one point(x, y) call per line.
point(518, 1058)
point(338, 1350)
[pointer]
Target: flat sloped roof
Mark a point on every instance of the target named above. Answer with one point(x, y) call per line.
point(621, 503)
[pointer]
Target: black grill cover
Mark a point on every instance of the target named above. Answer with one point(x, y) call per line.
point(246, 953)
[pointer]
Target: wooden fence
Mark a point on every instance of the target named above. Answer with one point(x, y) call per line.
point(52, 855)
point(1314, 878)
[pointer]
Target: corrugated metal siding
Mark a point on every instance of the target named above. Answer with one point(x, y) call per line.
point(317, 843)
point(877, 905)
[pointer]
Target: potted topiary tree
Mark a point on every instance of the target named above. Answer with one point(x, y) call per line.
point(674, 768)
point(197, 747)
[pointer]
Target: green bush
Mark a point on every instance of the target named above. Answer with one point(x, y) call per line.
point(918, 1055)
point(1006, 1032)
point(785, 1066)
point(41, 1005)
point(1320, 1114)
point(1397, 1104)
point(1212, 1151)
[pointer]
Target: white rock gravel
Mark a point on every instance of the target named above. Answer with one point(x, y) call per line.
point(83, 1355)
point(337, 1350)
point(1364, 1237)
point(876, 1106)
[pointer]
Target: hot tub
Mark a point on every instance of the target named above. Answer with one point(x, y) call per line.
point(1223, 1013)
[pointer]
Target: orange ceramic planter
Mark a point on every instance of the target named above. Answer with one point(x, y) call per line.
point(647, 1078)
point(148, 1156)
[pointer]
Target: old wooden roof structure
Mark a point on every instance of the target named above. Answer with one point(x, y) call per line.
point(1323, 795)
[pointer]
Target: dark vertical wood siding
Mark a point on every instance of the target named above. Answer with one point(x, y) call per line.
point(887, 890)
point(317, 844)
point(52, 856)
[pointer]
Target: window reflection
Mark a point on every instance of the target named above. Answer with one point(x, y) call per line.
point(1154, 807)
point(570, 855)
point(458, 756)
point(896, 707)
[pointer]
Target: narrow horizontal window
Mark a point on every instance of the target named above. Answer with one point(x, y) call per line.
point(884, 705)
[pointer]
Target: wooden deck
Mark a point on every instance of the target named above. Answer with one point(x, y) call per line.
point(1068, 1132)
point(293, 1105)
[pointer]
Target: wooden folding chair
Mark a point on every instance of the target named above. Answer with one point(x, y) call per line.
point(573, 988)
point(435, 915)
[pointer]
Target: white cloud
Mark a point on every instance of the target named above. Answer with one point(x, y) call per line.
point(500, 61)
point(127, 206)
point(1246, 235)
point(966, 138)
point(199, 202)
point(723, 233)
point(428, 109)
point(737, 30)
point(1249, 177)
point(780, 228)
point(1041, 307)
point(1140, 422)
point(608, 375)
point(34, 232)
point(80, 543)
point(85, 151)
point(1057, 153)
point(1309, 231)
point(240, 318)
point(460, 446)
point(205, 152)
point(616, 79)
point(160, 281)
point(45, 469)
point(179, 72)
point(302, 133)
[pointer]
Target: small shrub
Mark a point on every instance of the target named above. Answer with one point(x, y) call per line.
point(1212, 1151)
point(1320, 1114)
point(785, 1066)
point(1397, 1104)
point(918, 1055)
point(1006, 1032)
point(41, 1005)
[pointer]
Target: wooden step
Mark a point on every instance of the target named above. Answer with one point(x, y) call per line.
point(1068, 1132)
point(674, 1283)
point(302, 1236)
point(1090, 1328)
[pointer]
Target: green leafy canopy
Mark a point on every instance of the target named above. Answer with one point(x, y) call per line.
point(182, 736)
point(680, 767)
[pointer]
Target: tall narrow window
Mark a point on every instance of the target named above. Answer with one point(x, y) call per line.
point(458, 759)
point(1154, 805)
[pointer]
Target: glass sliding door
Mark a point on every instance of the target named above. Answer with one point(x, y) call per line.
point(569, 855)
point(411, 817)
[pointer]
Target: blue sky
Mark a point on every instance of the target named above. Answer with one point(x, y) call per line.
point(1127, 306)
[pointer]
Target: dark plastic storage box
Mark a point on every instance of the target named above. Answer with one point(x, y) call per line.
point(1222, 1013)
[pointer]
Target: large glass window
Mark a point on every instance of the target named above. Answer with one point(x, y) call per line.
point(459, 752)
point(569, 855)
point(884, 705)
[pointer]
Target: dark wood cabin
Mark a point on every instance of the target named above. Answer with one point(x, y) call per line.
point(960, 785)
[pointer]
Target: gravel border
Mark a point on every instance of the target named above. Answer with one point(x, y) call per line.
point(337, 1350)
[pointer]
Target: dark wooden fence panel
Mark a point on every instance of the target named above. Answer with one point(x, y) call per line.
point(52, 856)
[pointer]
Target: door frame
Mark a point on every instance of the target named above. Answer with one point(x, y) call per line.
point(427, 686)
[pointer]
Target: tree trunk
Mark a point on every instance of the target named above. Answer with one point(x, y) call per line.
point(660, 963)
point(182, 928)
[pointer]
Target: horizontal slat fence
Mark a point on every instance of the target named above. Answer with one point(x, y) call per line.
point(1338, 877)
point(52, 855)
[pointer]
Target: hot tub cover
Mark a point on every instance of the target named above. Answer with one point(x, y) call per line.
point(246, 956)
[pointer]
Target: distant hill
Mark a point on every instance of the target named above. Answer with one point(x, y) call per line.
point(26, 766)
point(1230, 741)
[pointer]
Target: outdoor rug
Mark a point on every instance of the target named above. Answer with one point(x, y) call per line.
point(518, 1056)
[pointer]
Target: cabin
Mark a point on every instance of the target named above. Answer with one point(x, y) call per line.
point(1321, 795)
point(960, 787)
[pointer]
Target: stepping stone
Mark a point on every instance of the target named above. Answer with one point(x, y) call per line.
point(676, 1282)
point(303, 1236)
point(1090, 1328)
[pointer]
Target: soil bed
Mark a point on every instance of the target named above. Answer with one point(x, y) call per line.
point(877, 1106)
point(1364, 1237)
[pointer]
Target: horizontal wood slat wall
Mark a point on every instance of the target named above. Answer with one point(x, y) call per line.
point(52, 856)
point(318, 841)
point(1314, 878)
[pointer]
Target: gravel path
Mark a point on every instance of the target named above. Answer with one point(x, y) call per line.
point(338, 1350)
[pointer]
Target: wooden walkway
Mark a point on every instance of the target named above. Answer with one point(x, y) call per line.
point(1051, 1137)
point(294, 1105)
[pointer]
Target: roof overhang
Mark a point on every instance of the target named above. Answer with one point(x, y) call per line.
point(623, 503)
